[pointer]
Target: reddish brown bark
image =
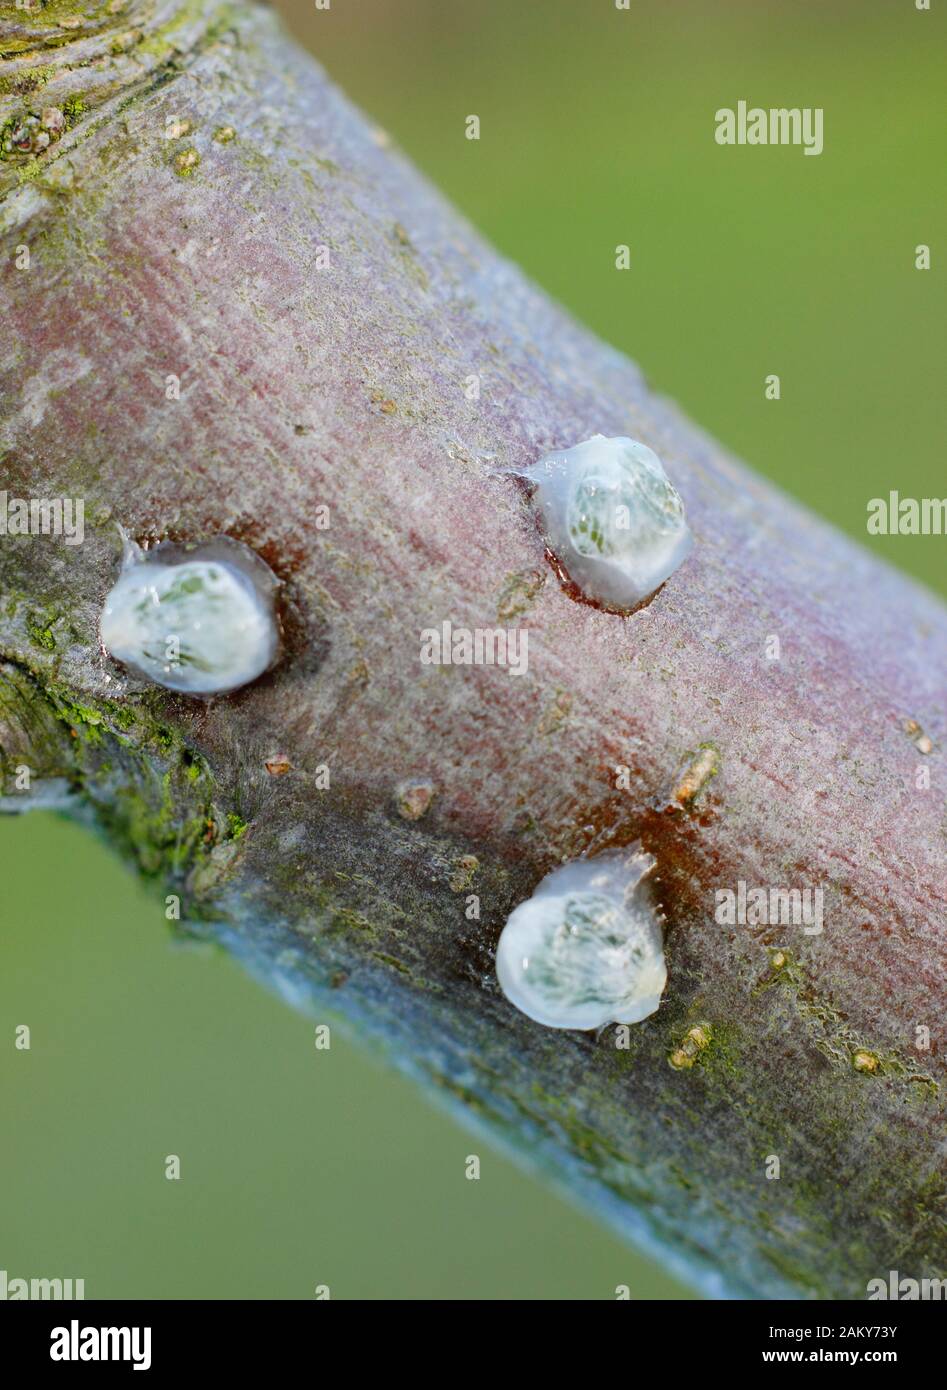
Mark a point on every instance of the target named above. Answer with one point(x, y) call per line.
point(305, 384)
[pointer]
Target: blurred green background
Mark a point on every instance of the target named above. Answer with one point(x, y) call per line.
point(597, 129)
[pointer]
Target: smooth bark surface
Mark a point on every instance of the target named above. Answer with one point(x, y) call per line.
point(214, 211)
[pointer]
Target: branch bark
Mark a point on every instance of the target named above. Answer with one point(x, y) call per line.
point(177, 226)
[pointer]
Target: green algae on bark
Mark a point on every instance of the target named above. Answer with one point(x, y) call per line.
point(311, 381)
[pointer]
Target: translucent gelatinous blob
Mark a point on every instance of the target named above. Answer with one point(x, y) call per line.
point(198, 618)
point(612, 518)
point(587, 948)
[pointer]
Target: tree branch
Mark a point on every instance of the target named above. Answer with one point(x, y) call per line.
point(212, 212)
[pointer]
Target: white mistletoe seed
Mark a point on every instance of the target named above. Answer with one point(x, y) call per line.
point(612, 518)
point(587, 948)
point(197, 618)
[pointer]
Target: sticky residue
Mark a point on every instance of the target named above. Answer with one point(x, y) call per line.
point(611, 518)
point(587, 948)
point(198, 619)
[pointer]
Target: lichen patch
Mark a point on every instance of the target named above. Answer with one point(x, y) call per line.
point(413, 798)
